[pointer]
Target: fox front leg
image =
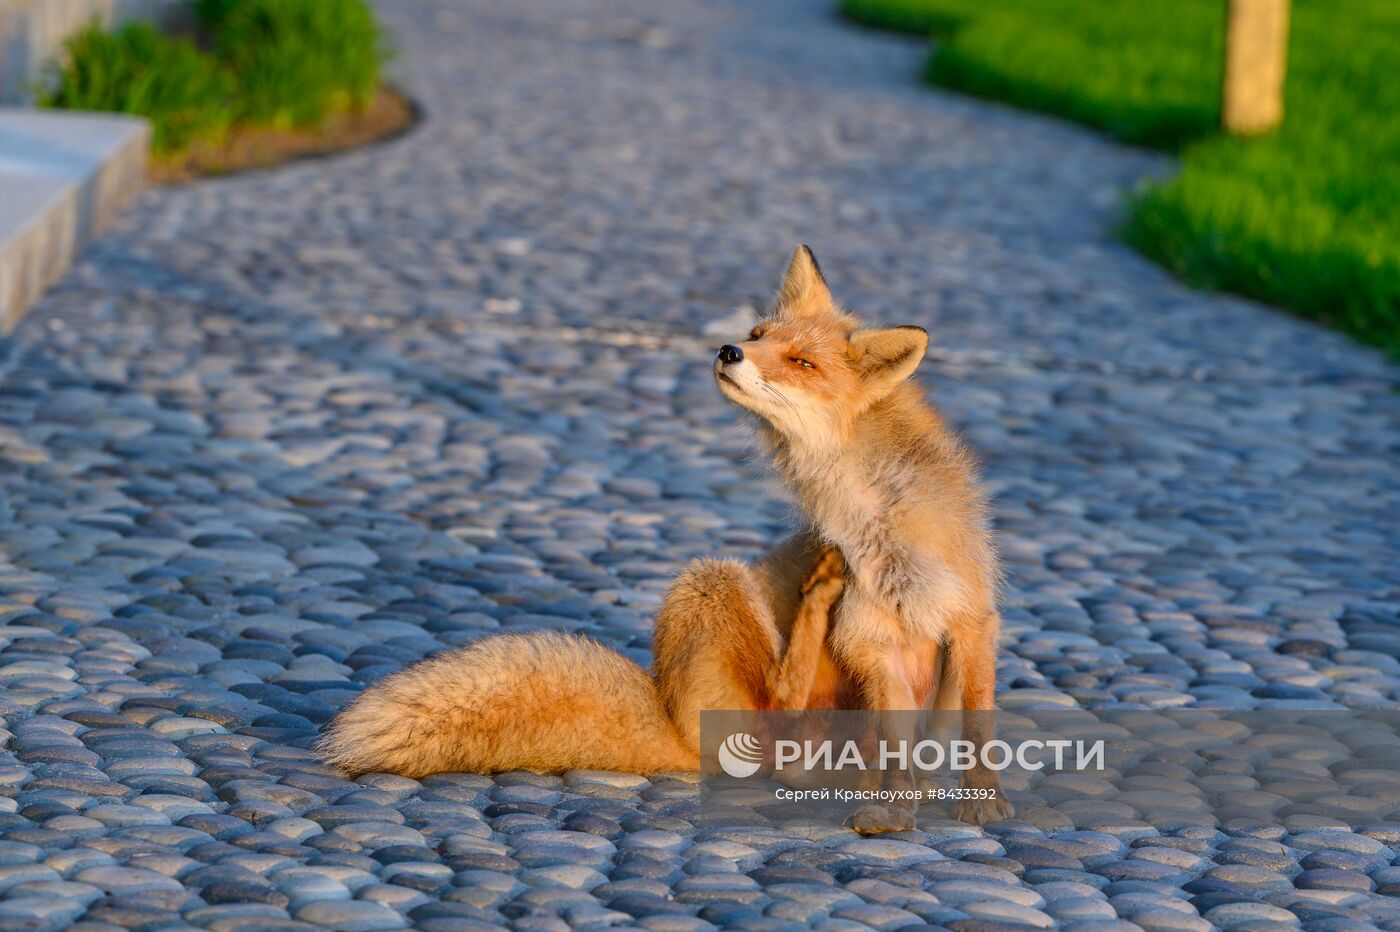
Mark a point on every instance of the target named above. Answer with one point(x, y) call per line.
point(876, 664)
point(972, 667)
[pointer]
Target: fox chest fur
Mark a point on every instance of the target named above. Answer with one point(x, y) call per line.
point(880, 521)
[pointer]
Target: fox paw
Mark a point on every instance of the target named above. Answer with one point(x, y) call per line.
point(982, 811)
point(828, 577)
point(880, 818)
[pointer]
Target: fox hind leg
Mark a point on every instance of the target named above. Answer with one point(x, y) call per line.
point(791, 679)
point(717, 645)
point(714, 641)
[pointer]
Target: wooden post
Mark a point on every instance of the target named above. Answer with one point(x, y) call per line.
point(1256, 53)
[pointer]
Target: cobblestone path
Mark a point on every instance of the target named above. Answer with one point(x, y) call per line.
point(280, 434)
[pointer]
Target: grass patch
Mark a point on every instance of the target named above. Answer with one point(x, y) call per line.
point(1307, 217)
point(260, 65)
point(297, 61)
point(139, 70)
point(916, 16)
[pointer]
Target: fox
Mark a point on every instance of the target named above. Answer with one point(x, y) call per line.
point(884, 597)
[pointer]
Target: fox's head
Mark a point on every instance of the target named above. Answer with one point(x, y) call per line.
point(810, 369)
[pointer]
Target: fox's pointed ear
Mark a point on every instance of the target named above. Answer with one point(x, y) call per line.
point(804, 290)
point(885, 358)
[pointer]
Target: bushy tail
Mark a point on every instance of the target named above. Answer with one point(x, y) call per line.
point(546, 702)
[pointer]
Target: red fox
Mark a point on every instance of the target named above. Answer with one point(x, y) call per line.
point(884, 600)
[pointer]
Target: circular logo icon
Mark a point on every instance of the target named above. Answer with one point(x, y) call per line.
point(740, 755)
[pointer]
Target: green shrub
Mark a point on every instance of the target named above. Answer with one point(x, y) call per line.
point(139, 70)
point(296, 61)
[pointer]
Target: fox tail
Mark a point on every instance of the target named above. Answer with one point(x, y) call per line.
point(546, 702)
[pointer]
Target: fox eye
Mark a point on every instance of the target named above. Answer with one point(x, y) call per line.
point(801, 362)
point(755, 333)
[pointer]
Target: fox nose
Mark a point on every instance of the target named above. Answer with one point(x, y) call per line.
point(729, 353)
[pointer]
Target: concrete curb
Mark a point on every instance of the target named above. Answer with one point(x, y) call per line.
point(63, 176)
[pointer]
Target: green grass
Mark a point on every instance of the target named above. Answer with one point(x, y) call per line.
point(297, 61)
point(285, 64)
point(917, 16)
point(1307, 217)
point(138, 70)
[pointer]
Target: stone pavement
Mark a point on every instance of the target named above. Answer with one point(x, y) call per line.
point(281, 434)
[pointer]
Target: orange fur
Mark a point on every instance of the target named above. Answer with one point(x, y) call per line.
point(545, 702)
point(882, 478)
point(552, 702)
point(885, 600)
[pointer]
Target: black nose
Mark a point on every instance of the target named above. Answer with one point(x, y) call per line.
point(730, 353)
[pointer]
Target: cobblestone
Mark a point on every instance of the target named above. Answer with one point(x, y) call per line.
point(278, 435)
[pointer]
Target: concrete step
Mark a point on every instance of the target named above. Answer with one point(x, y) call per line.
point(63, 175)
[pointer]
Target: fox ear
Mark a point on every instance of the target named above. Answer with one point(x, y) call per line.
point(885, 358)
point(804, 291)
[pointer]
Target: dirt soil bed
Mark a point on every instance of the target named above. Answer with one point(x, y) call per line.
point(247, 148)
